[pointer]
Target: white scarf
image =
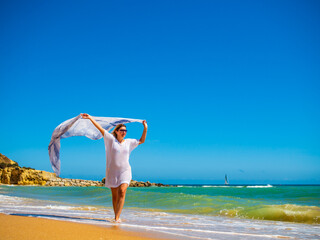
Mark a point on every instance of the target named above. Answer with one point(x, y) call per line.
point(78, 126)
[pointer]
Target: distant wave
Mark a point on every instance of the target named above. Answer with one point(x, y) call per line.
point(213, 186)
point(259, 186)
point(236, 186)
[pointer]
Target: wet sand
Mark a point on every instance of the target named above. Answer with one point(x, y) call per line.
point(32, 228)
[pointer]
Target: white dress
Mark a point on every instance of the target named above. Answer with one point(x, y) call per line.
point(118, 169)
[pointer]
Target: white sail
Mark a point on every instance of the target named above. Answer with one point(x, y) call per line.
point(226, 180)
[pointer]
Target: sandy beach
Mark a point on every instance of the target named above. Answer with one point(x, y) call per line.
point(32, 228)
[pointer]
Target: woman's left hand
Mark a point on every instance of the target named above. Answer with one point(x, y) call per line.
point(144, 122)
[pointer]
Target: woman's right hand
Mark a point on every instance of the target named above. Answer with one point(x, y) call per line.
point(85, 115)
point(97, 125)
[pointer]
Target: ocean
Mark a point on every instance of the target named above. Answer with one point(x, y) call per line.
point(184, 212)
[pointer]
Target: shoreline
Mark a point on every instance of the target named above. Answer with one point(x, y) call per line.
point(34, 228)
point(172, 211)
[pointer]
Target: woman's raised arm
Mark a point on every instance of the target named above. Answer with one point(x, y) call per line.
point(144, 134)
point(97, 125)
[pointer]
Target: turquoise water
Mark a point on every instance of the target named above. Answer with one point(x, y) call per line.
point(298, 204)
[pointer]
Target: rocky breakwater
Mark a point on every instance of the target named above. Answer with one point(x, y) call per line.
point(67, 182)
point(146, 184)
point(134, 183)
point(12, 173)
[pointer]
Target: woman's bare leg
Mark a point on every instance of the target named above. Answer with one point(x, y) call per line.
point(114, 192)
point(122, 189)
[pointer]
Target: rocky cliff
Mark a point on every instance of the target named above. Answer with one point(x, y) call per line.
point(12, 173)
point(24, 176)
point(6, 162)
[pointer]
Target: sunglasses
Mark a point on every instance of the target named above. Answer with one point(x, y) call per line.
point(123, 130)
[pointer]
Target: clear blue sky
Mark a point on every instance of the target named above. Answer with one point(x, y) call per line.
point(226, 86)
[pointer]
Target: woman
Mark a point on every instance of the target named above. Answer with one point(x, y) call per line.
point(118, 173)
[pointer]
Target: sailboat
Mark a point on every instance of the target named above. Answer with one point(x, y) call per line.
point(226, 180)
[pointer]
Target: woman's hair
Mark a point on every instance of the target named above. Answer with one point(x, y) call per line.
point(116, 129)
